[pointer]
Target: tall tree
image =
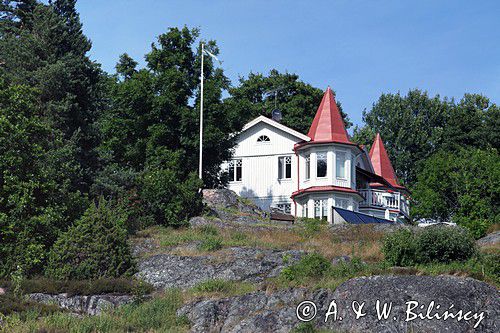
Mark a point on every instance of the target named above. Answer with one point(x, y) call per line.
point(259, 95)
point(43, 46)
point(150, 133)
point(37, 199)
point(411, 126)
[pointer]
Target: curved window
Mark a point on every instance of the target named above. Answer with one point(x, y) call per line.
point(263, 138)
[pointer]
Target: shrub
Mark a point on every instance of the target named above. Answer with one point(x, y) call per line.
point(94, 247)
point(210, 244)
point(312, 265)
point(209, 230)
point(312, 226)
point(432, 244)
point(399, 248)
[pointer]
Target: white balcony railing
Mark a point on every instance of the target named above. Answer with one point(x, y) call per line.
point(383, 199)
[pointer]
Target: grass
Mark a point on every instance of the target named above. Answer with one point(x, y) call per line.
point(362, 241)
point(220, 288)
point(82, 287)
point(156, 315)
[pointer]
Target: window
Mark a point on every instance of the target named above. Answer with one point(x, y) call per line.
point(340, 164)
point(308, 167)
point(263, 138)
point(285, 207)
point(284, 167)
point(341, 203)
point(235, 170)
point(321, 164)
point(321, 209)
point(305, 210)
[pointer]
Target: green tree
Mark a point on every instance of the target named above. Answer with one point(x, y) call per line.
point(42, 46)
point(149, 133)
point(463, 186)
point(37, 199)
point(411, 126)
point(298, 101)
point(94, 247)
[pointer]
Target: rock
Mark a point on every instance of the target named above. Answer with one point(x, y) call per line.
point(228, 206)
point(236, 263)
point(92, 304)
point(276, 312)
point(489, 240)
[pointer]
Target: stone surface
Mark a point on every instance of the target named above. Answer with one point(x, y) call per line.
point(236, 263)
point(490, 240)
point(92, 304)
point(276, 312)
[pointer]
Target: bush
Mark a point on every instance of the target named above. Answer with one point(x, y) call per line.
point(94, 247)
point(430, 245)
point(312, 226)
point(399, 248)
point(210, 244)
point(312, 265)
point(82, 287)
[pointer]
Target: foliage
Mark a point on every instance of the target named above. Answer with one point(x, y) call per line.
point(38, 198)
point(432, 244)
point(210, 243)
point(463, 186)
point(312, 226)
point(416, 126)
point(212, 286)
point(81, 287)
point(297, 101)
point(311, 265)
point(94, 247)
point(11, 303)
point(155, 315)
point(43, 46)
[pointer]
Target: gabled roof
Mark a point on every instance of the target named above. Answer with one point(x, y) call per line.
point(381, 163)
point(275, 124)
point(328, 125)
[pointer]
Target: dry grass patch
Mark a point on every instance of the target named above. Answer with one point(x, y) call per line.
point(362, 241)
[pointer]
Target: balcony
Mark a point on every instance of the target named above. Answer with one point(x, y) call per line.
point(386, 200)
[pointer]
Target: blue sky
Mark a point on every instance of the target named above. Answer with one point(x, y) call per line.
point(360, 48)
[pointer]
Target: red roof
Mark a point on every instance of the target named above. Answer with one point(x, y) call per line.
point(381, 162)
point(325, 189)
point(328, 125)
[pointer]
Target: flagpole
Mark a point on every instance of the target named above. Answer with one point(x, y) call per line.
point(200, 167)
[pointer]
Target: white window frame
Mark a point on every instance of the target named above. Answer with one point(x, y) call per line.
point(322, 204)
point(325, 153)
point(235, 164)
point(308, 167)
point(347, 200)
point(282, 206)
point(261, 139)
point(287, 160)
point(337, 164)
point(305, 210)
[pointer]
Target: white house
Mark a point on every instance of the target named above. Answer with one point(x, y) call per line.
point(321, 174)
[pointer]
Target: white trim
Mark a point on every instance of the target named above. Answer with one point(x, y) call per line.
point(276, 125)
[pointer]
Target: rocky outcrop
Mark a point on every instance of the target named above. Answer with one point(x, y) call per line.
point(471, 301)
point(490, 240)
point(92, 304)
point(225, 206)
point(236, 263)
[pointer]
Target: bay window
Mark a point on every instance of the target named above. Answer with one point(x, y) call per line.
point(340, 160)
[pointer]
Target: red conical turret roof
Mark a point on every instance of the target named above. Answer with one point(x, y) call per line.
point(328, 125)
point(381, 162)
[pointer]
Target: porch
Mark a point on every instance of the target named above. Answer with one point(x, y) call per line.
point(384, 199)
